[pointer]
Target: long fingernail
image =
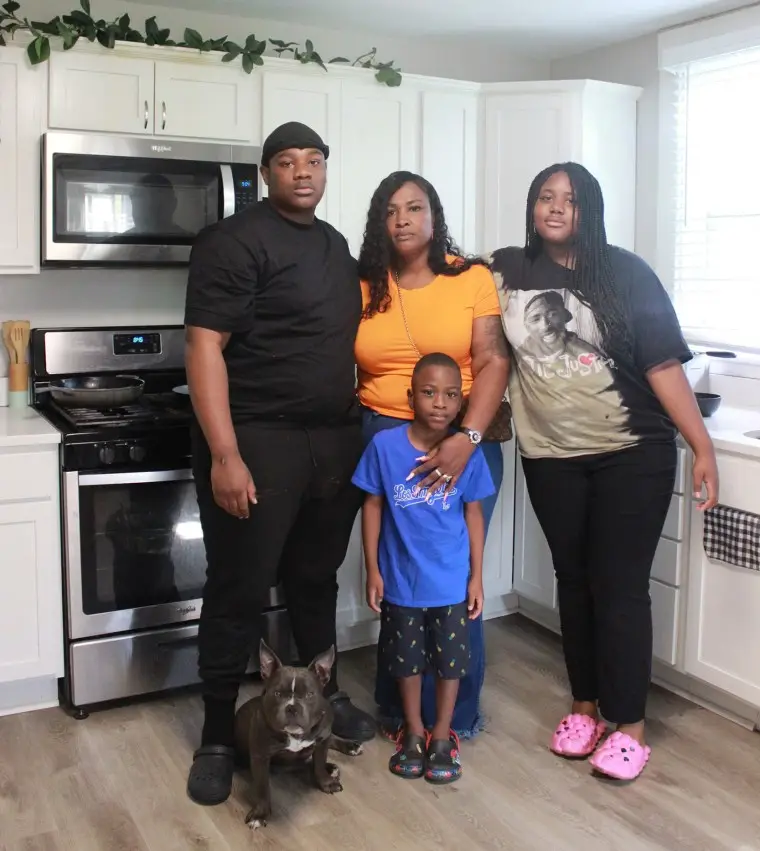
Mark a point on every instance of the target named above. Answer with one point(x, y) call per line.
point(411, 475)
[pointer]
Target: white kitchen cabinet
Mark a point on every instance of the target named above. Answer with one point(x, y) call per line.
point(533, 566)
point(379, 134)
point(207, 102)
point(124, 94)
point(498, 557)
point(723, 612)
point(449, 159)
point(529, 126)
point(31, 619)
point(313, 100)
point(22, 93)
point(101, 93)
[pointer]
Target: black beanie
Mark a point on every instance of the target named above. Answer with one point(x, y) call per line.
point(291, 135)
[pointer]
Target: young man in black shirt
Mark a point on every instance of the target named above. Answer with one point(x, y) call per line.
point(273, 306)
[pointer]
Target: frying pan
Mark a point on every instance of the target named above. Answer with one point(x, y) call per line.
point(95, 391)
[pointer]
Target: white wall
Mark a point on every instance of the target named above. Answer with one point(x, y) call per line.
point(632, 63)
point(81, 297)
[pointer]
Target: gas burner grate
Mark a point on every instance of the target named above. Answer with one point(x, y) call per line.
point(107, 416)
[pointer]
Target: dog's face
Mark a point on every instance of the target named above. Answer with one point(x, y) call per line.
point(292, 700)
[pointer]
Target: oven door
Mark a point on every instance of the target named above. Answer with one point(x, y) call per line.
point(130, 201)
point(134, 551)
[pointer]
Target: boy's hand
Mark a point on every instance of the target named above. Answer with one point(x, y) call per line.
point(475, 598)
point(374, 591)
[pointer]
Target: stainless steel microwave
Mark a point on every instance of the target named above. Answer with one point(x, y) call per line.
point(132, 201)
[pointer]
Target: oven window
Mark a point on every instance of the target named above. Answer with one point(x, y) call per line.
point(141, 545)
point(129, 200)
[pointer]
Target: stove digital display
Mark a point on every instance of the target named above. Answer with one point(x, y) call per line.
point(137, 344)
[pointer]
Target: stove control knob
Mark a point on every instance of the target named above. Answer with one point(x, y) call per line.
point(107, 454)
point(137, 453)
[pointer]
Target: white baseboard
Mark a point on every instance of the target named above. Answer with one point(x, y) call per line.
point(28, 695)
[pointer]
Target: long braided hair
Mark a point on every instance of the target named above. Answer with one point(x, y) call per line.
point(378, 257)
point(592, 279)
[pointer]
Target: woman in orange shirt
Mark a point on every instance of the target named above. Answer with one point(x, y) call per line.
point(422, 295)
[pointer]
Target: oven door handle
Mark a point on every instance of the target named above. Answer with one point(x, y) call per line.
point(149, 477)
point(228, 191)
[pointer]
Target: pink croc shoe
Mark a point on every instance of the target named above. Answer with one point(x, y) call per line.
point(621, 757)
point(577, 736)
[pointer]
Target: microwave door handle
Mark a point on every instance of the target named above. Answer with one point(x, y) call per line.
point(228, 191)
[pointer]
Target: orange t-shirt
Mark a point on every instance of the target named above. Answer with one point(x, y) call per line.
point(439, 316)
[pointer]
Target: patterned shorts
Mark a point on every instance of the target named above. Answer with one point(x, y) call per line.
point(411, 639)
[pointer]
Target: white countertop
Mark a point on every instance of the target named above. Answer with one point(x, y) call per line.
point(727, 427)
point(25, 427)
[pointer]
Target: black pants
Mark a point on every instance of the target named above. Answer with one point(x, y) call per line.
point(602, 516)
point(297, 533)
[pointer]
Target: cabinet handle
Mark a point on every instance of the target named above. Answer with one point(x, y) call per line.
point(163, 115)
point(145, 126)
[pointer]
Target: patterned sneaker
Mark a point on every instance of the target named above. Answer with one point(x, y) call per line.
point(442, 761)
point(409, 759)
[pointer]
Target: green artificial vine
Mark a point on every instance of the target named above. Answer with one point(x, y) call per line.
point(80, 24)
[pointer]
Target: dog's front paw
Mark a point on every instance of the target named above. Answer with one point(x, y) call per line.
point(354, 748)
point(331, 783)
point(258, 817)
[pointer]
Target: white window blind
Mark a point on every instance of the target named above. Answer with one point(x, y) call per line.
point(716, 281)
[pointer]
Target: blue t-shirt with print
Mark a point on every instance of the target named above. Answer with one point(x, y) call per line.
point(424, 549)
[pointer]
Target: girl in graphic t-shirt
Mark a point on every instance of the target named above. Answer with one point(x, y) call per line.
point(598, 394)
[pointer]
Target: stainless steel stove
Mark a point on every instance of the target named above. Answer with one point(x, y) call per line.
point(133, 555)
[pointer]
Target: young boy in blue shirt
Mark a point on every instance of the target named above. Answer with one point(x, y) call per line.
point(423, 551)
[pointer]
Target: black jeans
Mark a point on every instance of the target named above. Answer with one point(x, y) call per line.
point(297, 533)
point(602, 516)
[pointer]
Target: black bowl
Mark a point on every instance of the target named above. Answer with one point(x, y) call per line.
point(708, 403)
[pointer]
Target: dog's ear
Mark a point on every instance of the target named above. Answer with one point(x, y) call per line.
point(268, 660)
point(322, 664)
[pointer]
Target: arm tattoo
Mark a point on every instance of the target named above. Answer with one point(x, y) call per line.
point(493, 339)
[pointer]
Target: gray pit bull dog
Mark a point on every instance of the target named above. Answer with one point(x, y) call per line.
point(289, 721)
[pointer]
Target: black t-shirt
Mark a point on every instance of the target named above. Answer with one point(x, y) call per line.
point(570, 394)
point(289, 295)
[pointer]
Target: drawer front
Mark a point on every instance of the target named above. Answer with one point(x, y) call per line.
point(665, 611)
point(666, 566)
point(28, 475)
point(674, 522)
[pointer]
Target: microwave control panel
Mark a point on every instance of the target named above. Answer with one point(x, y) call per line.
point(246, 180)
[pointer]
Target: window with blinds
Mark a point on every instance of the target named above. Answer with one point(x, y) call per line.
point(716, 282)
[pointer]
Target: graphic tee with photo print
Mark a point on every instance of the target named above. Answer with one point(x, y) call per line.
point(570, 395)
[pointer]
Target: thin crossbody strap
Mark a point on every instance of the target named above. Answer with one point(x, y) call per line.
point(403, 316)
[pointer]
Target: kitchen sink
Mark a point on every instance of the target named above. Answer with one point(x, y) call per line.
point(755, 435)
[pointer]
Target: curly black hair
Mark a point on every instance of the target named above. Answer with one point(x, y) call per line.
point(592, 279)
point(377, 255)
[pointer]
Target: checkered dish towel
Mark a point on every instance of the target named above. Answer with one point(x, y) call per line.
point(732, 536)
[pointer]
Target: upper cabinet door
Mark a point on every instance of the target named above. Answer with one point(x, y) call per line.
point(107, 94)
point(379, 134)
point(21, 104)
point(206, 102)
point(315, 101)
point(450, 160)
point(524, 133)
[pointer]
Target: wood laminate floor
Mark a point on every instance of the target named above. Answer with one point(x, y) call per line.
point(116, 781)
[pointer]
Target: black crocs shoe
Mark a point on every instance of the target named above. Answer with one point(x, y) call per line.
point(409, 760)
point(442, 761)
point(210, 780)
point(350, 722)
